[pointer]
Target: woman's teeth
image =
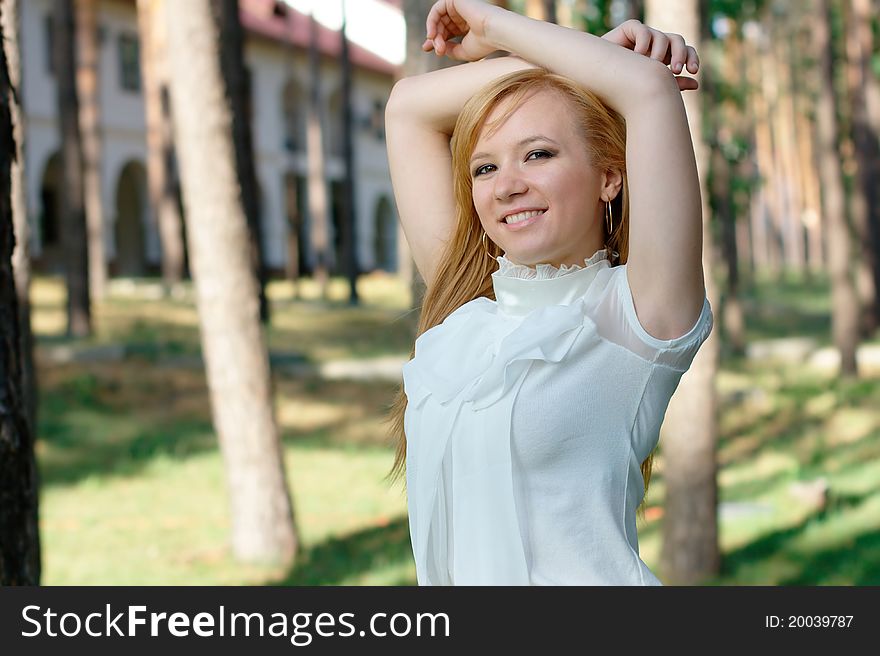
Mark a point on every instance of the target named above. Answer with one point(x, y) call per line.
point(522, 216)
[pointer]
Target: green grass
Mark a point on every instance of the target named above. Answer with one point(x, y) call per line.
point(132, 478)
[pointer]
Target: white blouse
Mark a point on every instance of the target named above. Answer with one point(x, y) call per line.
point(528, 418)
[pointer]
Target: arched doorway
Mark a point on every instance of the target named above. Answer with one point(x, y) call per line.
point(131, 202)
point(296, 212)
point(51, 258)
point(385, 236)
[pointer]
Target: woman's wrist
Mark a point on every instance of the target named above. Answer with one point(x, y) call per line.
point(500, 22)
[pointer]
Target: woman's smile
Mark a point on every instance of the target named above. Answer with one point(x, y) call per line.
point(519, 225)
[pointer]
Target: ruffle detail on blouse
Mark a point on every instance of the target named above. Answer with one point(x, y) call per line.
point(542, 271)
point(485, 365)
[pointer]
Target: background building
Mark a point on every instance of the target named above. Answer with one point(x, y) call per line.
point(276, 54)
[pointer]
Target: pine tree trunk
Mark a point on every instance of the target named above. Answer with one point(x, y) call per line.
point(164, 208)
point(19, 527)
point(349, 222)
point(730, 122)
point(73, 216)
point(232, 339)
point(803, 108)
point(238, 92)
point(88, 91)
point(794, 246)
point(21, 256)
point(844, 302)
point(544, 10)
point(872, 94)
point(690, 531)
point(317, 183)
point(865, 192)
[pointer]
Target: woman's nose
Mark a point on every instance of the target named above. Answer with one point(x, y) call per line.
point(508, 182)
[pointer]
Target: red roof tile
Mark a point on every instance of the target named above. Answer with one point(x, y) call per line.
point(265, 18)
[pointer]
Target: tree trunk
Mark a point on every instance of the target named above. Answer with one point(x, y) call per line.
point(690, 530)
point(233, 344)
point(724, 123)
point(845, 307)
point(317, 184)
point(872, 93)
point(349, 222)
point(865, 193)
point(21, 257)
point(88, 91)
point(794, 242)
point(804, 108)
point(73, 216)
point(238, 93)
point(164, 207)
point(19, 528)
point(544, 10)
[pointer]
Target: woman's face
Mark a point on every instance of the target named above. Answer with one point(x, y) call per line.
point(537, 160)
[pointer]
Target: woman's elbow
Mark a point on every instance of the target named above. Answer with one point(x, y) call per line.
point(657, 79)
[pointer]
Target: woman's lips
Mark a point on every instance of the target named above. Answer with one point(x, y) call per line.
point(524, 224)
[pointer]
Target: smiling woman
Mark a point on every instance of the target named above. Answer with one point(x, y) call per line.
point(555, 194)
point(533, 401)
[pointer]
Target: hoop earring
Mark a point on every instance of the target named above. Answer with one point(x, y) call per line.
point(486, 248)
point(609, 223)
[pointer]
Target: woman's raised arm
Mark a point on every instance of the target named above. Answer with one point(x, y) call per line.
point(419, 118)
point(620, 76)
point(664, 267)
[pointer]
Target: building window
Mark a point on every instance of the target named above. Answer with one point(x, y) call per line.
point(129, 63)
point(377, 120)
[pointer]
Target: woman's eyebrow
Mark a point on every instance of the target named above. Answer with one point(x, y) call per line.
point(527, 140)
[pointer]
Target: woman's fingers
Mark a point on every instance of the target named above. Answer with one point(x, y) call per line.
point(693, 60)
point(642, 39)
point(687, 83)
point(659, 46)
point(678, 52)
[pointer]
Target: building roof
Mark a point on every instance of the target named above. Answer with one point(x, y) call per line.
point(279, 22)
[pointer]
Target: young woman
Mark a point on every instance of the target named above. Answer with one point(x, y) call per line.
point(551, 203)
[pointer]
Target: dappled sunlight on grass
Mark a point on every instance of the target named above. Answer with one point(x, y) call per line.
point(133, 489)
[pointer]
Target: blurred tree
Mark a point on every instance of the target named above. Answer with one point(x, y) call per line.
point(19, 527)
point(233, 343)
point(237, 83)
point(866, 190)
point(21, 257)
point(844, 302)
point(73, 217)
point(88, 91)
point(161, 167)
point(724, 128)
point(544, 10)
point(317, 184)
point(690, 529)
point(348, 223)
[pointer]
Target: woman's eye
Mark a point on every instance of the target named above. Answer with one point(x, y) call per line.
point(542, 153)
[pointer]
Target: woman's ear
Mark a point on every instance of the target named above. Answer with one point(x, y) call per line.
point(612, 183)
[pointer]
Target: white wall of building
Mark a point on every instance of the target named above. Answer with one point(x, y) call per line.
point(124, 138)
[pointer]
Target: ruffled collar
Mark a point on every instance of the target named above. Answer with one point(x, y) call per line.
point(519, 289)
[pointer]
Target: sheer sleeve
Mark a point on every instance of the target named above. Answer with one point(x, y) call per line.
point(616, 318)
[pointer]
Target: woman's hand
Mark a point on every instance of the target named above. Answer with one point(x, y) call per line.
point(459, 18)
point(669, 49)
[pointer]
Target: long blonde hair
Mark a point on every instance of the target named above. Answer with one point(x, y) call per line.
point(464, 272)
